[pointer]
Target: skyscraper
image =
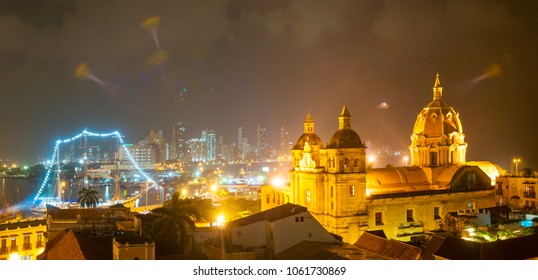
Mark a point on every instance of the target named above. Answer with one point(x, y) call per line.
point(210, 140)
point(240, 138)
point(179, 141)
point(261, 146)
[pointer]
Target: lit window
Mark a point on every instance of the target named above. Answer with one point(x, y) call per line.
point(26, 242)
point(352, 190)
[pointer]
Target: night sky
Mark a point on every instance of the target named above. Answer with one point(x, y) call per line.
point(136, 65)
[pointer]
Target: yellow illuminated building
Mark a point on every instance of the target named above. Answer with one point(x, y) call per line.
point(332, 181)
point(23, 240)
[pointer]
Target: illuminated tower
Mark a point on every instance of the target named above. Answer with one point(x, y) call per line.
point(437, 138)
point(330, 180)
point(210, 140)
point(179, 142)
point(261, 145)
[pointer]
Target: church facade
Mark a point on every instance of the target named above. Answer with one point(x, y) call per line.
point(332, 180)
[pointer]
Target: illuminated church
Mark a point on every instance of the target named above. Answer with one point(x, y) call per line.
point(332, 181)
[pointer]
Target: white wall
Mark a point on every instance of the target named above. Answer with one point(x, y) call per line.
point(252, 235)
point(287, 232)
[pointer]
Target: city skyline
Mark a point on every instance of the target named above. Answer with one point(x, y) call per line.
point(105, 67)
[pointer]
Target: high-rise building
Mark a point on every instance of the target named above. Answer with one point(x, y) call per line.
point(196, 151)
point(261, 146)
point(240, 138)
point(220, 144)
point(143, 153)
point(158, 140)
point(179, 139)
point(210, 140)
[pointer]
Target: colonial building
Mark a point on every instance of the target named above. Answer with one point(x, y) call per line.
point(517, 192)
point(23, 240)
point(332, 181)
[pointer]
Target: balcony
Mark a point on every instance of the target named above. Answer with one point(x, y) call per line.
point(13, 248)
point(3, 251)
point(39, 244)
point(27, 246)
point(529, 194)
point(498, 192)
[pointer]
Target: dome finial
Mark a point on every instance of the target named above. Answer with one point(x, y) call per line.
point(344, 120)
point(345, 112)
point(309, 118)
point(309, 124)
point(437, 88)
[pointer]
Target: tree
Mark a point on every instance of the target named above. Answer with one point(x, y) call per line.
point(176, 220)
point(87, 197)
point(527, 172)
point(234, 207)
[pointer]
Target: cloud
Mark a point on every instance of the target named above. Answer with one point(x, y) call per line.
point(17, 36)
point(441, 25)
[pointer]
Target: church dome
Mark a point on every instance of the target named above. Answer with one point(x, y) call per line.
point(437, 118)
point(311, 138)
point(345, 137)
point(437, 138)
point(309, 135)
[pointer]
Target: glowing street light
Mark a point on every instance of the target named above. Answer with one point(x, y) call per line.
point(221, 219)
point(516, 162)
point(406, 159)
point(371, 160)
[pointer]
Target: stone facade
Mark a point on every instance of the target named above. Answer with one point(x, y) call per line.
point(332, 181)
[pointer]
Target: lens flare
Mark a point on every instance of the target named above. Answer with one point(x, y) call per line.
point(157, 58)
point(82, 71)
point(152, 24)
point(383, 106)
point(493, 71)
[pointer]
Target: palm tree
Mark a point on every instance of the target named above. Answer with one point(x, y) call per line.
point(87, 197)
point(175, 220)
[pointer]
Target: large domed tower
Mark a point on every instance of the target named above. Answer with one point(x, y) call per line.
point(437, 138)
point(345, 152)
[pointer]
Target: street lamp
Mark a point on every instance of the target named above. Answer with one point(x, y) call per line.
point(516, 162)
point(406, 158)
